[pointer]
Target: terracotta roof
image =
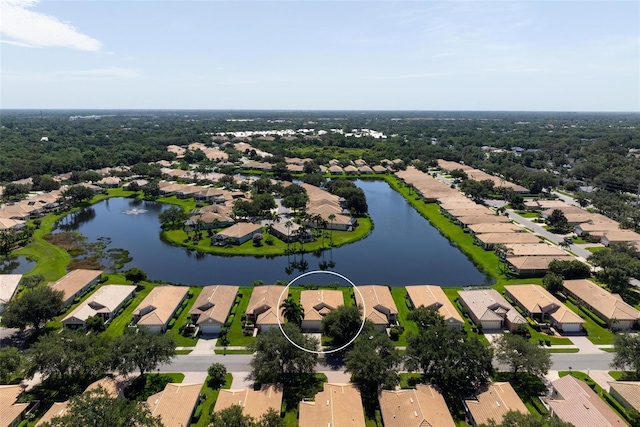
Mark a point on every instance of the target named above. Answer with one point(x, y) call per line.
point(537, 299)
point(264, 301)
point(607, 304)
point(9, 408)
point(253, 403)
point(104, 300)
point(629, 391)
point(377, 299)
point(434, 297)
point(74, 281)
point(8, 286)
point(494, 402)
point(112, 387)
point(535, 249)
point(336, 405)
point(214, 303)
point(574, 402)
point(313, 302)
point(58, 409)
point(483, 219)
point(621, 236)
point(505, 238)
point(470, 211)
point(421, 407)
point(427, 185)
point(498, 227)
point(536, 262)
point(175, 404)
point(485, 303)
point(158, 307)
point(241, 229)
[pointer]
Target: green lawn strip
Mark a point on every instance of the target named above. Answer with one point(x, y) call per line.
point(410, 379)
point(528, 387)
point(236, 338)
point(179, 237)
point(117, 326)
point(595, 249)
point(183, 351)
point(210, 401)
point(401, 299)
point(222, 351)
point(187, 204)
point(56, 322)
point(528, 214)
point(623, 375)
point(182, 341)
point(536, 337)
point(562, 350)
point(609, 350)
point(608, 399)
point(596, 334)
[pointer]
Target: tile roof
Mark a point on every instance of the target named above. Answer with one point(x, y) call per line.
point(629, 391)
point(8, 286)
point(58, 409)
point(494, 402)
point(162, 301)
point(337, 405)
point(421, 407)
point(9, 408)
point(175, 404)
point(313, 302)
point(537, 299)
point(484, 303)
point(574, 402)
point(215, 303)
point(535, 249)
point(254, 403)
point(506, 238)
point(377, 299)
point(533, 262)
point(434, 297)
point(609, 305)
point(241, 229)
point(74, 281)
point(264, 303)
point(104, 300)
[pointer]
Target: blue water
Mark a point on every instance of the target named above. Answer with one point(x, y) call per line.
point(15, 265)
point(402, 249)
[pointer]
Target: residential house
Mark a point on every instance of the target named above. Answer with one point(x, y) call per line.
point(8, 288)
point(290, 232)
point(429, 296)
point(574, 402)
point(365, 169)
point(75, 283)
point(378, 305)
point(212, 307)
point(109, 182)
point(609, 307)
point(498, 227)
point(10, 224)
point(489, 309)
point(104, 303)
point(335, 170)
point(619, 236)
point(12, 413)
point(490, 240)
point(534, 249)
point(316, 304)
point(419, 407)
point(238, 233)
point(492, 403)
point(337, 405)
point(539, 304)
point(379, 169)
point(534, 265)
point(254, 403)
point(157, 309)
point(466, 221)
point(175, 404)
point(596, 227)
point(263, 308)
point(627, 393)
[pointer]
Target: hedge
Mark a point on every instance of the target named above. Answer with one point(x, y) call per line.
point(593, 317)
point(171, 323)
point(229, 321)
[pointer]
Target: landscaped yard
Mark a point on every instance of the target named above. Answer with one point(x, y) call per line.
point(236, 338)
point(596, 333)
point(118, 325)
point(206, 407)
point(410, 327)
point(182, 341)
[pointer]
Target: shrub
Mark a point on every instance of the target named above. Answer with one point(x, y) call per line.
point(229, 321)
point(171, 323)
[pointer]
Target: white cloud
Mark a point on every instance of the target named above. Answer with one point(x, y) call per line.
point(107, 73)
point(22, 27)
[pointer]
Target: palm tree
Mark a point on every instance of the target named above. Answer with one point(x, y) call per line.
point(288, 226)
point(292, 311)
point(331, 218)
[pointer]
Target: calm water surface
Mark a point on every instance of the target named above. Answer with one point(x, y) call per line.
point(15, 265)
point(403, 248)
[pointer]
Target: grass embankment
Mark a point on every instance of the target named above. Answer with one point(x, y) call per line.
point(339, 238)
point(206, 407)
point(596, 333)
point(235, 335)
point(401, 300)
point(181, 340)
point(117, 326)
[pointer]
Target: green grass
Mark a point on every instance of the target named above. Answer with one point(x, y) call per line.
point(183, 351)
point(182, 341)
point(609, 350)
point(410, 327)
point(235, 331)
point(596, 333)
point(623, 375)
point(210, 401)
point(528, 214)
point(223, 351)
point(308, 385)
point(179, 238)
point(536, 336)
point(562, 350)
point(149, 384)
point(452, 294)
point(595, 249)
point(410, 379)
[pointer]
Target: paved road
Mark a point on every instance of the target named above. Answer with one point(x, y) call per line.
point(240, 362)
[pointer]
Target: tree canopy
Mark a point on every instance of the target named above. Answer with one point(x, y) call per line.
point(141, 349)
point(522, 355)
point(33, 307)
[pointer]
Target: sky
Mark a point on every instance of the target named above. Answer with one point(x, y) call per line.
point(561, 55)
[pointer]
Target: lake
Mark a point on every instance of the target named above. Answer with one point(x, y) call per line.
point(402, 249)
point(15, 265)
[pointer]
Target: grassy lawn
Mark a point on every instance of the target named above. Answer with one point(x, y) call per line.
point(410, 379)
point(179, 238)
point(452, 294)
point(235, 331)
point(623, 375)
point(210, 401)
point(149, 384)
point(306, 388)
point(182, 341)
point(596, 333)
point(398, 295)
point(595, 249)
point(562, 350)
point(528, 214)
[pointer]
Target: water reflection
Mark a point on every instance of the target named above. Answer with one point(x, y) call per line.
point(15, 265)
point(76, 219)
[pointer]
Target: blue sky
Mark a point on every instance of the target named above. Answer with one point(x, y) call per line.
point(390, 55)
